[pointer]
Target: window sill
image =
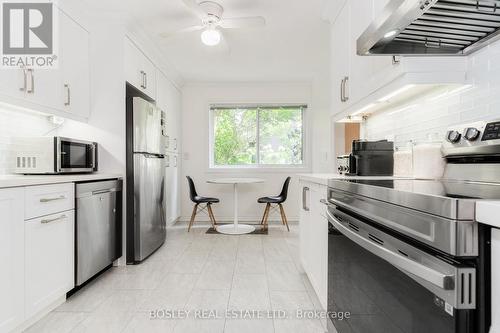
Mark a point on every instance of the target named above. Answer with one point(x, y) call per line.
point(254, 169)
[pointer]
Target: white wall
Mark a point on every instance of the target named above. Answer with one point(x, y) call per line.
point(195, 118)
point(481, 102)
point(18, 123)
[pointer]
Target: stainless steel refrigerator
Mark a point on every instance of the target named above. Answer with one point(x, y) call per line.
point(146, 224)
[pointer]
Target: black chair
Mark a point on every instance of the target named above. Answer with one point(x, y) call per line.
point(275, 200)
point(199, 200)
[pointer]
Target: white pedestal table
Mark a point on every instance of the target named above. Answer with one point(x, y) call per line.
point(235, 228)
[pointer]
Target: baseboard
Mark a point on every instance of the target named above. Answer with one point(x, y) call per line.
point(39, 315)
point(229, 219)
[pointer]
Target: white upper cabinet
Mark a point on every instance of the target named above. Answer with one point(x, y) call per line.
point(341, 57)
point(11, 84)
point(12, 258)
point(169, 101)
point(361, 12)
point(63, 91)
point(139, 70)
point(75, 64)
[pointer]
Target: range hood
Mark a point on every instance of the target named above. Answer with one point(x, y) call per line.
point(432, 27)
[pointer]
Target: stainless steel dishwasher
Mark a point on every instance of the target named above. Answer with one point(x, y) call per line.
point(98, 227)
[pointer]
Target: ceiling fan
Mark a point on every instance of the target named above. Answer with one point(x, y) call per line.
point(210, 14)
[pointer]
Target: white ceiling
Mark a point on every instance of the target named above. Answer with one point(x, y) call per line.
point(292, 46)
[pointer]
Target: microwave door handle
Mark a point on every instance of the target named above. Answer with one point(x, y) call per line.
point(441, 280)
point(93, 156)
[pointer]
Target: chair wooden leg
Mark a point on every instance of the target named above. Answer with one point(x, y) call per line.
point(193, 214)
point(283, 217)
point(211, 215)
point(264, 215)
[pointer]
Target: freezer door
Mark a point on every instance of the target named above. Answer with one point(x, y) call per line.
point(148, 136)
point(149, 204)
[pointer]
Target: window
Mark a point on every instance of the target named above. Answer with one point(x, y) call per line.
point(257, 136)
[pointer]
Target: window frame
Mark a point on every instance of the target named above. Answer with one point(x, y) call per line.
point(258, 166)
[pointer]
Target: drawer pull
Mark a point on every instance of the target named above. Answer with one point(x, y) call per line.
point(62, 197)
point(62, 217)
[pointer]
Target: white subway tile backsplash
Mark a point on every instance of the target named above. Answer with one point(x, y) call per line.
point(433, 117)
point(18, 124)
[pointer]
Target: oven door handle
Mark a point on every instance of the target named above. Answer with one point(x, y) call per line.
point(441, 280)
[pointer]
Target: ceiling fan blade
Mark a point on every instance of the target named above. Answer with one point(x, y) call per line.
point(195, 8)
point(242, 22)
point(189, 29)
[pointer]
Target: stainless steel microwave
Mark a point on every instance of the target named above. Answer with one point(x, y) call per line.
point(54, 155)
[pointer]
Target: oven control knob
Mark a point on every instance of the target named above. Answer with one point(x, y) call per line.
point(471, 134)
point(453, 136)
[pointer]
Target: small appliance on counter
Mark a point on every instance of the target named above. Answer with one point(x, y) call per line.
point(403, 162)
point(372, 158)
point(428, 162)
point(54, 155)
point(343, 164)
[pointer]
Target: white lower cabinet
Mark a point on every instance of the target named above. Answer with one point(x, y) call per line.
point(49, 260)
point(172, 189)
point(314, 237)
point(12, 258)
point(37, 254)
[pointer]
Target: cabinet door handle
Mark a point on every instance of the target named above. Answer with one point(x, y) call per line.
point(30, 84)
point(304, 194)
point(45, 221)
point(25, 81)
point(346, 88)
point(145, 80)
point(175, 161)
point(342, 90)
point(142, 80)
point(62, 197)
point(68, 95)
point(175, 144)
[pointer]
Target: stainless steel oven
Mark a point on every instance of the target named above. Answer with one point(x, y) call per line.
point(390, 284)
point(55, 155)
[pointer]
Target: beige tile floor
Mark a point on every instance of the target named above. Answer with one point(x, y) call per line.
point(195, 271)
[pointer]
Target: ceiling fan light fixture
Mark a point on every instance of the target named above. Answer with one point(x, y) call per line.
point(211, 37)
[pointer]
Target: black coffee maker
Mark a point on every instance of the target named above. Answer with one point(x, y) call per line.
point(371, 158)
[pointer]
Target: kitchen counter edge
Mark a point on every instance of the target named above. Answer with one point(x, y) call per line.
point(322, 178)
point(7, 181)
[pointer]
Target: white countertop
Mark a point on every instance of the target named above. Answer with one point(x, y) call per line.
point(488, 212)
point(322, 178)
point(31, 180)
